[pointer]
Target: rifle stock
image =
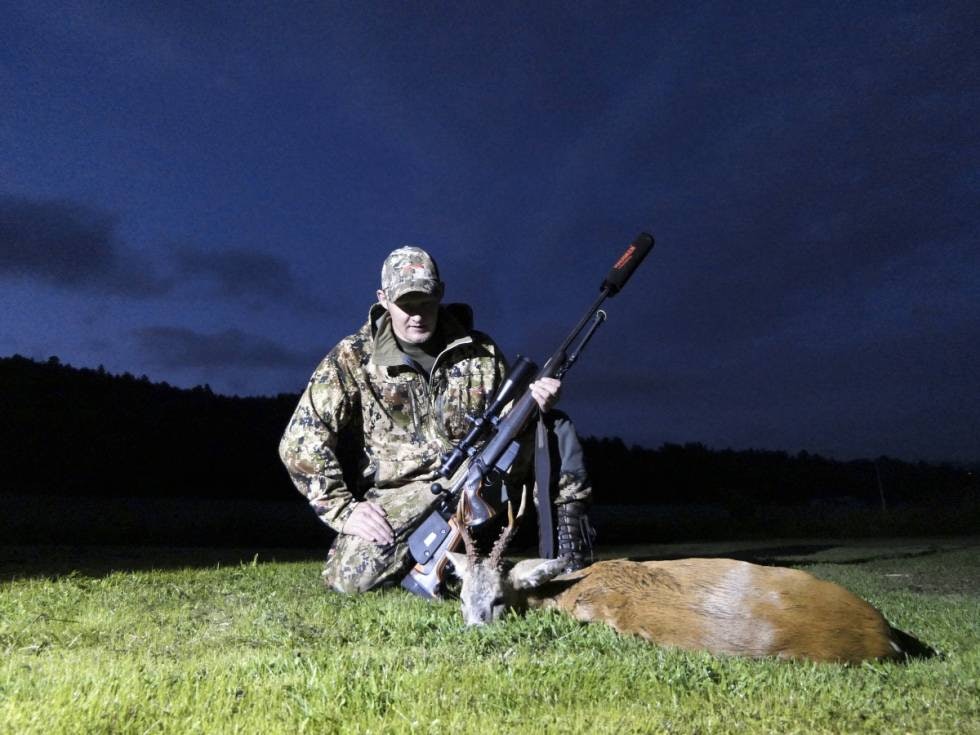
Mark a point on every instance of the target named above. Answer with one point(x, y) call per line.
point(425, 579)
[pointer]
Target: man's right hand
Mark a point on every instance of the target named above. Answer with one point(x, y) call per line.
point(370, 522)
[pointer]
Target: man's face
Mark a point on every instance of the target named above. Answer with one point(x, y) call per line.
point(413, 316)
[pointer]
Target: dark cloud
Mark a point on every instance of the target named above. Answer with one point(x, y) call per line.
point(238, 273)
point(76, 247)
point(70, 246)
point(178, 347)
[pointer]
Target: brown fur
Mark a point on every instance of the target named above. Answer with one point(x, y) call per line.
point(725, 607)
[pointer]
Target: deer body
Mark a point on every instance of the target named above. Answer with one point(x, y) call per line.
point(725, 607)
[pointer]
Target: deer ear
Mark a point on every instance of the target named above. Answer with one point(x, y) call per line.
point(459, 562)
point(532, 573)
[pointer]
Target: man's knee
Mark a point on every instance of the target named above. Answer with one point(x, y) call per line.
point(570, 453)
point(574, 486)
point(347, 585)
point(573, 478)
point(354, 565)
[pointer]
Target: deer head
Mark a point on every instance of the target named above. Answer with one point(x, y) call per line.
point(487, 592)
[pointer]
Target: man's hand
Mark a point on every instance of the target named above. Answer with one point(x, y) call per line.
point(369, 522)
point(546, 393)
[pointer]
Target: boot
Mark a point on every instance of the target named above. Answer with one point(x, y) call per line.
point(575, 535)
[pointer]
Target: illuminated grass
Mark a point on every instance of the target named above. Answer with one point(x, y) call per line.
point(260, 648)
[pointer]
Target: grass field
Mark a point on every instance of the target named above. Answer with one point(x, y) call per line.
point(208, 643)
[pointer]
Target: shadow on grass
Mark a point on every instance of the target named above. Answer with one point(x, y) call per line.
point(29, 562)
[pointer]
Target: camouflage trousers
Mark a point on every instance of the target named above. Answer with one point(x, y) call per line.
point(355, 565)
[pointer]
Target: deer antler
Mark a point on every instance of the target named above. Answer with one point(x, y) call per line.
point(497, 552)
point(464, 533)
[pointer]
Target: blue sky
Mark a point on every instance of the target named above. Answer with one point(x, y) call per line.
point(204, 193)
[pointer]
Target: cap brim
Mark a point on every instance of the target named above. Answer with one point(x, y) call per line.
point(426, 286)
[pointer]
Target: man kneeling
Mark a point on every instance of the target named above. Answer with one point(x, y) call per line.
point(404, 384)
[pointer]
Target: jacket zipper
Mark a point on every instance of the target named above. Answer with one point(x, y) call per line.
point(415, 409)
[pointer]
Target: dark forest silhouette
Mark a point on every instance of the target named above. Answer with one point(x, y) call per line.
point(83, 433)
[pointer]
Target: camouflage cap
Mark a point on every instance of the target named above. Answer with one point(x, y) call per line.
point(409, 269)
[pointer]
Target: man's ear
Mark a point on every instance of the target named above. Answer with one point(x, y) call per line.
point(460, 563)
point(531, 573)
point(382, 298)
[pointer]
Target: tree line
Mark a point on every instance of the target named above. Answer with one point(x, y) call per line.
point(84, 432)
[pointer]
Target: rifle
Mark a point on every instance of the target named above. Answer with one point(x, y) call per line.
point(497, 439)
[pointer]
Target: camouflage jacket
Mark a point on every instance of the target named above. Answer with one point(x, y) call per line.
point(406, 419)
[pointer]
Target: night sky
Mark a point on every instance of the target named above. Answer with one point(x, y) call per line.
point(204, 193)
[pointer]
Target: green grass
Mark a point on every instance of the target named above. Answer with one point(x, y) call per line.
point(261, 648)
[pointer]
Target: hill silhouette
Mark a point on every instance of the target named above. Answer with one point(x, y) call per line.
point(81, 432)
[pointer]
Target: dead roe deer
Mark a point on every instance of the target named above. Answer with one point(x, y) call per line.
point(722, 606)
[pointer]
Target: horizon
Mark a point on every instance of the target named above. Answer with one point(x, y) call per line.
point(100, 369)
